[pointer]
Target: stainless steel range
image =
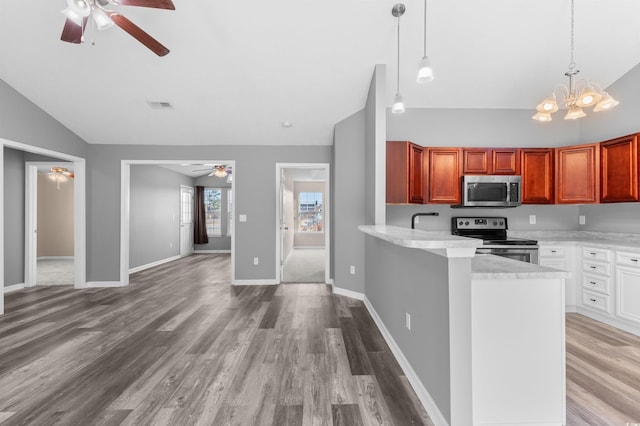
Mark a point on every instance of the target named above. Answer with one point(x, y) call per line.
point(493, 232)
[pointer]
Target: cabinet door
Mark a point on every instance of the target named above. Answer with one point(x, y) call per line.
point(405, 180)
point(628, 293)
point(577, 174)
point(477, 161)
point(416, 174)
point(619, 170)
point(506, 161)
point(537, 175)
point(443, 171)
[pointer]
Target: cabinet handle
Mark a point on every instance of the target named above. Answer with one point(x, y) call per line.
point(592, 254)
point(592, 282)
point(593, 300)
point(634, 260)
point(592, 267)
point(554, 251)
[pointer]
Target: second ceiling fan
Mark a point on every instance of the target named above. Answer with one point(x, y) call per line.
point(78, 13)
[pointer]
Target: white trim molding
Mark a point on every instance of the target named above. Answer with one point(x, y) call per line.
point(422, 393)
point(348, 293)
point(254, 282)
point(14, 287)
point(152, 264)
point(104, 284)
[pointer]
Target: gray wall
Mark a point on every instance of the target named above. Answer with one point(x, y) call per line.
point(154, 215)
point(349, 202)
point(620, 121)
point(223, 242)
point(403, 280)
point(254, 180)
point(13, 233)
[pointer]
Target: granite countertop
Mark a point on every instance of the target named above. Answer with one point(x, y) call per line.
point(492, 267)
point(607, 240)
point(416, 238)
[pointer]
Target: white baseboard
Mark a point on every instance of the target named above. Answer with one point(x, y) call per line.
point(99, 284)
point(428, 403)
point(212, 251)
point(55, 258)
point(348, 293)
point(152, 264)
point(254, 282)
point(613, 322)
point(14, 287)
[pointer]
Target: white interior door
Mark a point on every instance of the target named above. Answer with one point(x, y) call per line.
point(186, 220)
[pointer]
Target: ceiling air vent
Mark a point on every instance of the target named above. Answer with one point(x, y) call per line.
point(160, 105)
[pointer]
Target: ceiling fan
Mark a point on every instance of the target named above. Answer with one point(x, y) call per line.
point(219, 170)
point(79, 11)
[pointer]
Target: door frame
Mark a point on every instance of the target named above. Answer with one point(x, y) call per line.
point(125, 194)
point(31, 219)
point(326, 167)
point(190, 189)
point(79, 206)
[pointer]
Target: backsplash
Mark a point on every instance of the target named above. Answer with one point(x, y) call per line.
point(548, 218)
point(614, 217)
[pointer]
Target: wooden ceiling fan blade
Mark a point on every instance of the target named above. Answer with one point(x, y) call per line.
point(72, 32)
point(157, 4)
point(138, 33)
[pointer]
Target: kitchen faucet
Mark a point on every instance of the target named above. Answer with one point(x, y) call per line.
point(413, 218)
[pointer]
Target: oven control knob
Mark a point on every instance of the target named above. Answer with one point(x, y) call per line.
point(495, 223)
point(460, 223)
point(466, 223)
point(501, 223)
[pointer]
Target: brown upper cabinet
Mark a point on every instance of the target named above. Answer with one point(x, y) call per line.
point(619, 169)
point(577, 174)
point(444, 167)
point(537, 175)
point(488, 161)
point(405, 173)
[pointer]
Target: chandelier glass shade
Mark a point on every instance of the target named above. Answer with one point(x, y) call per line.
point(220, 171)
point(78, 10)
point(59, 175)
point(579, 94)
point(425, 72)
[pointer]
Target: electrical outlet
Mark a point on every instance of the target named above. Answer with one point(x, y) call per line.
point(242, 218)
point(532, 219)
point(256, 260)
point(416, 220)
point(582, 220)
point(170, 245)
point(408, 320)
point(352, 270)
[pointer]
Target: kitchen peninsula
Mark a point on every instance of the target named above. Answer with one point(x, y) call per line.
point(481, 338)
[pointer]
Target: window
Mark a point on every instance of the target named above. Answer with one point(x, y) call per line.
point(229, 211)
point(213, 211)
point(187, 206)
point(310, 212)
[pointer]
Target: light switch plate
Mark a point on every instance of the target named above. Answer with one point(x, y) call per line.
point(242, 218)
point(582, 220)
point(532, 219)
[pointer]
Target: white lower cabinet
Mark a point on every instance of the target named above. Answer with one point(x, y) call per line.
point(597, 273)
point(563, 258)
point(628, 286)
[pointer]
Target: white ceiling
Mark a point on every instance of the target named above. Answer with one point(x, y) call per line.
point(238, 69)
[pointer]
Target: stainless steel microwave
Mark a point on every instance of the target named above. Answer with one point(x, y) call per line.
point(491, 191)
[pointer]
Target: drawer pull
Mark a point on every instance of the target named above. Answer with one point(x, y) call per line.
point(592, 267)
point(592, 282)
point(593, 300)
point(634, 260)
point(592, 254)
point(554, 251)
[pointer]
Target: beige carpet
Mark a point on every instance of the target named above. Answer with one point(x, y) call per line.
point(55, 272)
point(304, 265)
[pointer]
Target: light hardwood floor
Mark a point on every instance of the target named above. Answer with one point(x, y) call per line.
point(181, 346)
point(603, 374)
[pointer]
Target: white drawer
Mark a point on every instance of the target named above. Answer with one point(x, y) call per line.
point(595, 301)
point(551, 251)
point(596, 267)
point(628, 259)
point(595, 283)
point(603, 255)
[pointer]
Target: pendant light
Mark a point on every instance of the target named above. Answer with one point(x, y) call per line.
point(425, 72)
point(579, 94)
point(398, 103)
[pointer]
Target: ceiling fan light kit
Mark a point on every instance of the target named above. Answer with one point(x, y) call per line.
point(79, 11)
point(60, 175)
point(577, 95)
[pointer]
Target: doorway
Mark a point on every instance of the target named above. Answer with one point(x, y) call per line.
point(303, 223)
point(186, 220)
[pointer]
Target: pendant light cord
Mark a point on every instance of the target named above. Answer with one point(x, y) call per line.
point(398, 73)
point(425, 28)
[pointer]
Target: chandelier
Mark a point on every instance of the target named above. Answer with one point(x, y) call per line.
point(579, 94)
point(60, 175)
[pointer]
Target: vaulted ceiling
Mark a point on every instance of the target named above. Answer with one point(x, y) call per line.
point(238, 69)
